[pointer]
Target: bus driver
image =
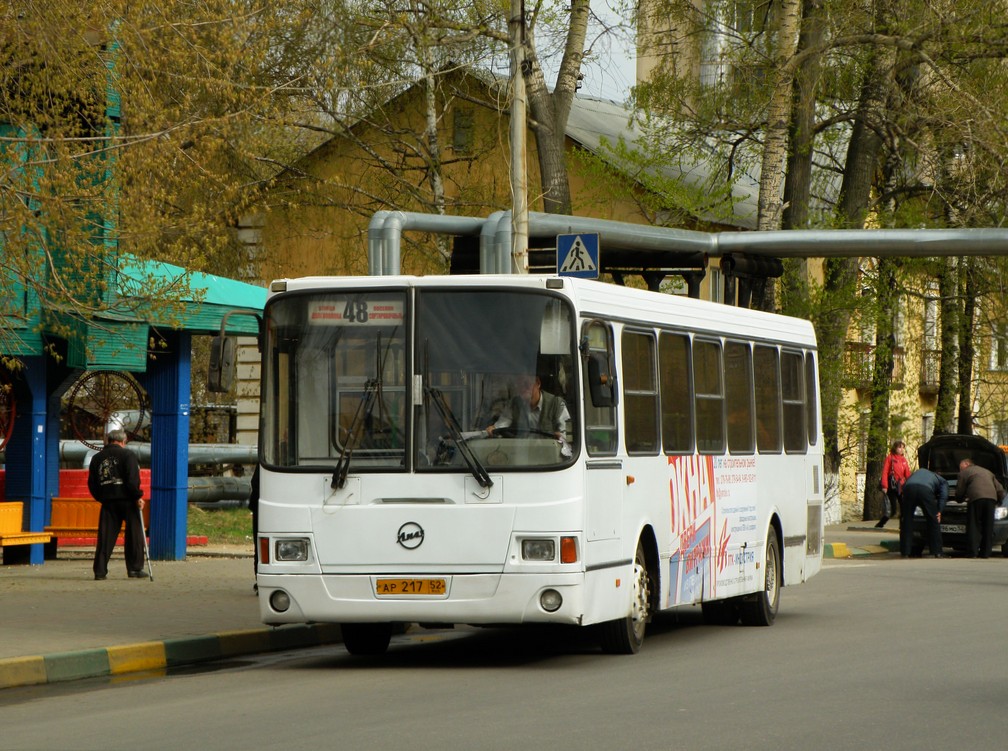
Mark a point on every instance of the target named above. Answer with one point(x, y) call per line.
point(535, 410)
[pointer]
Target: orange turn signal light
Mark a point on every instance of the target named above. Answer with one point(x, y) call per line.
point(568, 550)
point(264, 550)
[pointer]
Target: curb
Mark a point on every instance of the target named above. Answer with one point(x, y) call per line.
point(161, 655)
point(842, 550)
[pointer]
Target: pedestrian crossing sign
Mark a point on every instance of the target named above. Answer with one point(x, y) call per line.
point(578, 255)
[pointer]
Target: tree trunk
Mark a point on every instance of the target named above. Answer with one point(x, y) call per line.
point(831, 323)
point(801, 138)
point(775, 143)
point(434, 155)
point(839, 285)
point(882, 372)
point(798, 173)
point(948, 290)
point(967, 283)
point(549, 112)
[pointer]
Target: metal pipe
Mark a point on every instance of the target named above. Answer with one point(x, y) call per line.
point(210, 489)
point(488, 243)
point(394, 223)
point(199, 453)
point(840, 243)
point(375, 242)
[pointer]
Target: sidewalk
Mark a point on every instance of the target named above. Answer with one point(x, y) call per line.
point(57, 623)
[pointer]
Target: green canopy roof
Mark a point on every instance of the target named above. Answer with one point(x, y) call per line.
point(119, 337)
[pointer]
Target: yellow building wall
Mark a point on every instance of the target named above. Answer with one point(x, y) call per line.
point(316, 218)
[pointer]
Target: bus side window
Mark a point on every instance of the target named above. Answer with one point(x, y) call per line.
point(768, 400)
point(599, 413)
point(676, 401)
point(708, 393)
point(640, 393)
point(793, 402)
point(811, 399)
point(739, 397)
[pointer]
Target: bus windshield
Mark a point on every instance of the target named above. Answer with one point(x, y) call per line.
point(492, 372)
point(500, 366)
point(335, 381)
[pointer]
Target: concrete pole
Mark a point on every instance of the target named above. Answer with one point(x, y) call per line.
point(519, 174)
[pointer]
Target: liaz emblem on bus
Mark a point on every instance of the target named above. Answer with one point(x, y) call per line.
point(356, 311)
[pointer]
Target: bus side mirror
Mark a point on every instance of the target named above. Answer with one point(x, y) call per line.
point(220, 374)
point(601, 383)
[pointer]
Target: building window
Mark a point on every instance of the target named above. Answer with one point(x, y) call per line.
point(1000, 436)
point(999, 347)
point(899, 323)
point(733, 26)
point(462, 130)
point(927, 426)
point(931, 317)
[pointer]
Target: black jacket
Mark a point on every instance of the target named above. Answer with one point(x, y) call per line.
point(114, 475)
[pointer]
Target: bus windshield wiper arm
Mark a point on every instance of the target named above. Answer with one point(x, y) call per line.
point(475, 467)
point(367, 403)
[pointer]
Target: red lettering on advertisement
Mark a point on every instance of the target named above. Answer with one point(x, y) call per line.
point(722, 547)
point(691, 489)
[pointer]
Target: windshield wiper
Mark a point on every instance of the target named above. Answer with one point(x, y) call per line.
point(364, 408)
point(475, 467)
point(372, 389)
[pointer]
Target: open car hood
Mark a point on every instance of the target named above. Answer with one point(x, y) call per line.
point(943, 453)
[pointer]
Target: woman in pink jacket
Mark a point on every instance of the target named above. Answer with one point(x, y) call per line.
point(895, 471)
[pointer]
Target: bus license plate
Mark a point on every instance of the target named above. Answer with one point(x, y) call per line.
point(410, 587)
point(954, 528)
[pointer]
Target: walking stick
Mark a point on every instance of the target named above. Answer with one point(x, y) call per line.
point(150, 571)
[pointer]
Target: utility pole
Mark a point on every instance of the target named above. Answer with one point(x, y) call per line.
point(519, 127)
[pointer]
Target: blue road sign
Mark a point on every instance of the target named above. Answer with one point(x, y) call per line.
point(578, 255)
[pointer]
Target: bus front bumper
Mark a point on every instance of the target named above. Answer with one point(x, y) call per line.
point(454, 598)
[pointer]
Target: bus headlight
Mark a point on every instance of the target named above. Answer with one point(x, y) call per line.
point(538, 550)
point(1001, 512)
point(291, 549)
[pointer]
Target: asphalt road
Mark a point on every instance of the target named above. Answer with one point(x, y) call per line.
point(879, 652)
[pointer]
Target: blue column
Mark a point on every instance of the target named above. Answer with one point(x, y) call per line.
point(26, 451)
point(168, 387)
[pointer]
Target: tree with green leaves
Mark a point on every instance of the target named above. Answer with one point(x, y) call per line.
point(134, 128)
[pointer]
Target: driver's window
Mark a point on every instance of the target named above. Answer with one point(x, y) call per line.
point(601, 435)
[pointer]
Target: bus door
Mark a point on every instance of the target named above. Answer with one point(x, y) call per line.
point(604, 482)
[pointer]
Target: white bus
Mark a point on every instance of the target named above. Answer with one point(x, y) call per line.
point(417, 465)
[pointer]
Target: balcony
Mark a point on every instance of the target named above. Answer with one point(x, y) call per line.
point(929, 370)
point(859, 361)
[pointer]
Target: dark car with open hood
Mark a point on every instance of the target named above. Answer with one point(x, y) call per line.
point(942, 454)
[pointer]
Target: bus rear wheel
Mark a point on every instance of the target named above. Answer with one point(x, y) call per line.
point(760, 609)
point(366, 638)
point(624, 636)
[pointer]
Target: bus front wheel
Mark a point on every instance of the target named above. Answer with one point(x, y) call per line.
point(760, 609)
point(366, 638)
point(625, 635)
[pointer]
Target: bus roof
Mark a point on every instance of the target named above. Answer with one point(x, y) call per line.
point(594, 299)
